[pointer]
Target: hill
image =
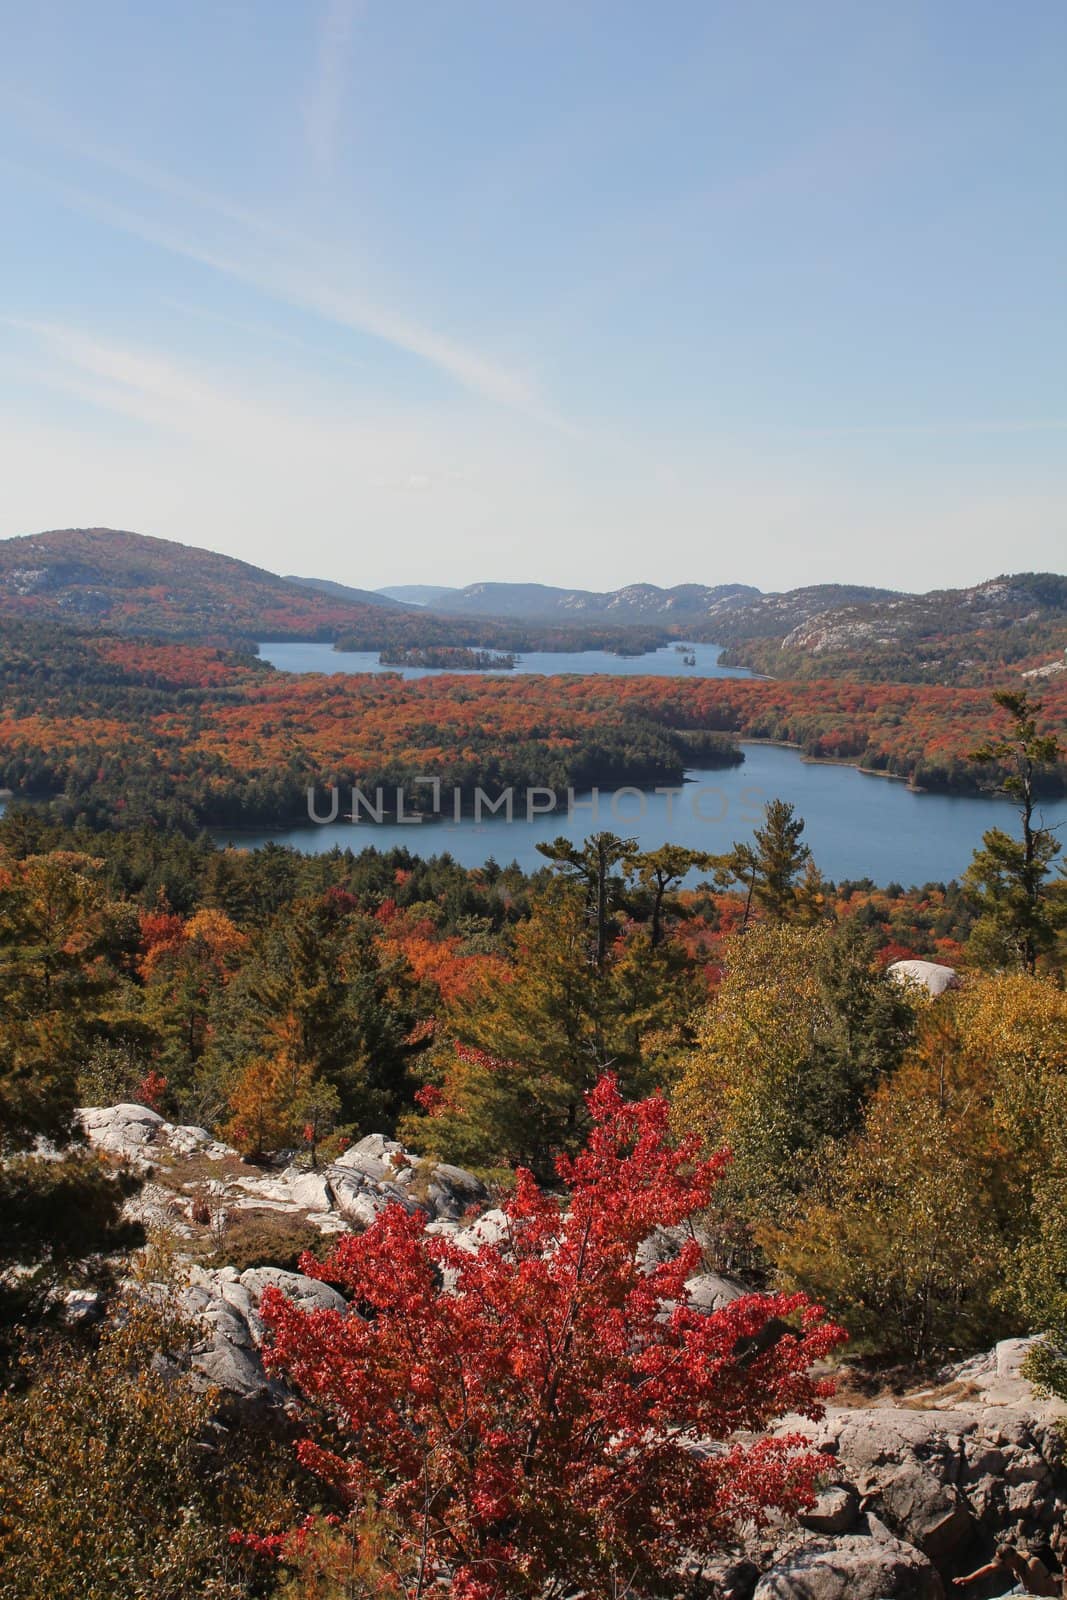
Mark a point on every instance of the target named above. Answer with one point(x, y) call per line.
point(947, 636)
point(345, 591)
point(637, 603)
point(131, 583)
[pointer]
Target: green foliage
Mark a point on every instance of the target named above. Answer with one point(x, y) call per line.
point(347, 1007)
point(803, 1028)
point(510, 1080)
point(940, 1224)
point(60, 942)
point(898, 1237)
point(1042, 1269)
point(769, 868)
point(1019, 912)
point(117, 1481)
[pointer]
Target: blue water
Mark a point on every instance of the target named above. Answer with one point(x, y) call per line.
point(667, 662)
point(858, 826)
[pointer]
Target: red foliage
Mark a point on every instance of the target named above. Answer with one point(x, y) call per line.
point(429, 1098)
point(542, 1416)
point(161, 931)
point(150, 1091)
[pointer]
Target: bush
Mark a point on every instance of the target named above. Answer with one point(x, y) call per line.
point(267, 1239)
point(116, 1481)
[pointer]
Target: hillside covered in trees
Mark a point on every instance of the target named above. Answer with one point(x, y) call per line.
point(128, 583)
point(951, 636)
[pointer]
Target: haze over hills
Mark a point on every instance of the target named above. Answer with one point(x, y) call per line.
point(637, 603)
point(948, 635)
point(417, 594)
point(344, 591)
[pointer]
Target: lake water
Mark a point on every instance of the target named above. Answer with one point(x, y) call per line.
point(858, 826)
point(667, 662)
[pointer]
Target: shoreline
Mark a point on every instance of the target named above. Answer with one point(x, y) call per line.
point(868, 772)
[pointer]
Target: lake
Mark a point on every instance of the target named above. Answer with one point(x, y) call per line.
point(666, 662)
point(858, 826)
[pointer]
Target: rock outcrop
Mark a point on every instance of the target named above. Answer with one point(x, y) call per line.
point(928, 975)
point(348, 1193)
point(923, 1486)
point(141, 1135)
point(942, 1475)
point(226, 1306)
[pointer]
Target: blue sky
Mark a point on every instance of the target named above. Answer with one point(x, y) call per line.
point(587, 293)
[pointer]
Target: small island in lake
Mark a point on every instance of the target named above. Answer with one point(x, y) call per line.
point(450, 657)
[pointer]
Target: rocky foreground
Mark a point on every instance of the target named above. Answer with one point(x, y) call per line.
point(926, 1484)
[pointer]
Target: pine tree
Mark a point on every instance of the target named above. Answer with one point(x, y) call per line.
point(768, 868)
point(593, 866)
point(659, 873)
point(1007, 879)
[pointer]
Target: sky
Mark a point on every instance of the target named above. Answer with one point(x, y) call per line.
point(584, 292)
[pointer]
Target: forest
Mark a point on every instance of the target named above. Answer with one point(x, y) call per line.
point(122, 731)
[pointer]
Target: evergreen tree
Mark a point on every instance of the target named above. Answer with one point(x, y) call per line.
point(510, 1079)
point(1007, 879)
point(58, 935)
point(593, 866)
point(659, 873)
point(769, 867)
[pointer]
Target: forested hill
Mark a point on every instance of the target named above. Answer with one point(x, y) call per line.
point(1011, 623)
point(131, 583)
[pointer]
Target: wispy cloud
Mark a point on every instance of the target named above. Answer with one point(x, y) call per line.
point(305, 273)
point(325, 107)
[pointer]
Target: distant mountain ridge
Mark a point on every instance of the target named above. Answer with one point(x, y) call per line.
point(132, 583)
point(636, 603)
point(417, 594)
point(344, 591)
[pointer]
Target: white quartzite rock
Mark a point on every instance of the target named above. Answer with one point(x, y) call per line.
point(927, 975)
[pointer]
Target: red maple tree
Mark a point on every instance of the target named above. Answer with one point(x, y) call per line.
point(541, 1410)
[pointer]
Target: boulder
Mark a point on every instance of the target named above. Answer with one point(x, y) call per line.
point(227, 1307)
point(492, 1227)
point(926, 1510)
point(452, 1192)
point(141, 1134)
point(709, 1291)
point(308, 1293)
point(123, 1130)
point(310, 1191)
point(975, 1461)
point(928, 975)
point(836, 1510)
point(357, 1200)
point(853, 1567)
